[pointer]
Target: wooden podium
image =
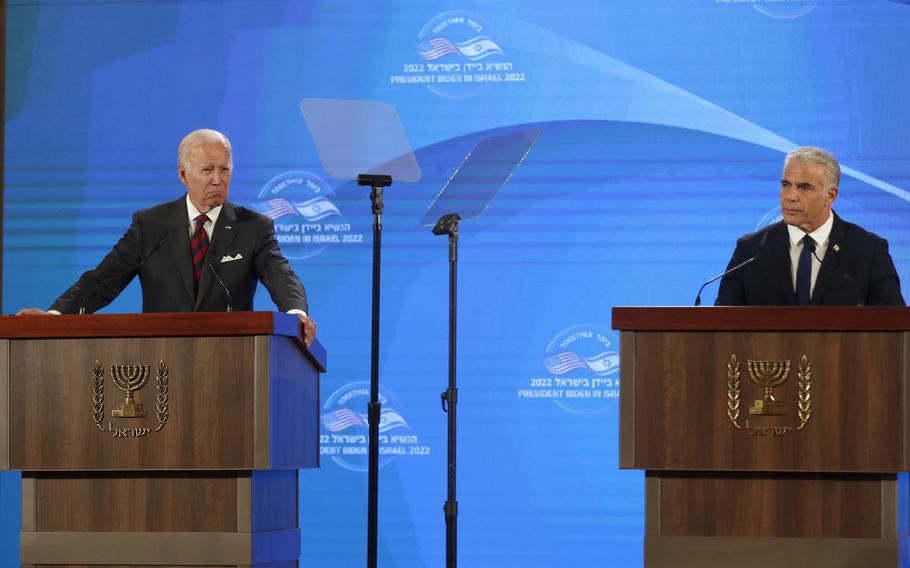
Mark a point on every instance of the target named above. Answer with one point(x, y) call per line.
point(769, 436)
point(159, 439)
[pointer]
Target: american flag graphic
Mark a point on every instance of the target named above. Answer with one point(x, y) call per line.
point(436, 47)
point(565, 361)
point(472, 49)
point(311, 210)
point(342, 419)
point(275, 208)
point(345, 418)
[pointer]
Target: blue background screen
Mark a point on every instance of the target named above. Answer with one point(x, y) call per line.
point(663, 126)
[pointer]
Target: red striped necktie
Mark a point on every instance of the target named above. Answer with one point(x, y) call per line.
point(199, 246)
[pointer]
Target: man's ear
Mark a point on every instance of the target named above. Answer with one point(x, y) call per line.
point(181, 173)
point(832, 195)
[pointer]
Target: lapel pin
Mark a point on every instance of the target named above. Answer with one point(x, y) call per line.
point(836, 248)
point(228, 227)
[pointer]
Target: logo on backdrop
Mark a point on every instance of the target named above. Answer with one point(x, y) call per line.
point(344, 428)
point(779, 9)
point(579, 370)
point(769, 218)
point(458, 55)
point(306, 220)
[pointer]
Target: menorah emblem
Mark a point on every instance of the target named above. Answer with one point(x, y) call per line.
point(129, 378)
point(768, 374)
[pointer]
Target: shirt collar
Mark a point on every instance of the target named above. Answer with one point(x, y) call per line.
point(819, 235)
point(192, 212)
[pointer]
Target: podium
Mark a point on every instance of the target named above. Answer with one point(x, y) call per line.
point(159, 439)
point(768, 436)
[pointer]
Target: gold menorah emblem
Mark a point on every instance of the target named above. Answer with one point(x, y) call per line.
point(129, 378)
point(768, 374)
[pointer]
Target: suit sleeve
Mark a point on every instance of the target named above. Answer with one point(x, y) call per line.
point(276, 273)
point(93, 289)
point(884, 283)
point(732, 291)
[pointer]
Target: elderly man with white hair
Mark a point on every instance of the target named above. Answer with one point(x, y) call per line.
point(180, 249)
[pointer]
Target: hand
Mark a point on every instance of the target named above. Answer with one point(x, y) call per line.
point(32, 312)
point(309, 329)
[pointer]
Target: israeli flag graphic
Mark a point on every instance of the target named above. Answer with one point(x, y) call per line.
point(316, 209)
point(478, 48)
point(390, 419)
point(604, 363)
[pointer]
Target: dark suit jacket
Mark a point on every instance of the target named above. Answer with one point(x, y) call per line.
point(167, 273)
point(857, 270)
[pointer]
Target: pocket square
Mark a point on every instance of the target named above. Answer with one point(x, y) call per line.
point(229, 258)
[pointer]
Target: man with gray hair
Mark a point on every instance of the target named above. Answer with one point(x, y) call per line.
point(198, 253)
point(811, 257)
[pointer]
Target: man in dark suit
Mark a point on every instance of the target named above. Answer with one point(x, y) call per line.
point(177, 248)
point(812, 257)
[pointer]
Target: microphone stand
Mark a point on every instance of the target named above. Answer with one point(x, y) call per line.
point(227, 292)
point(739, 266)
point(107, 281)
point(721, 275)
point(448, 225)
point(376, 182)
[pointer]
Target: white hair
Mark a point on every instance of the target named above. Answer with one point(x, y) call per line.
point(813, 155)
point(197, 138)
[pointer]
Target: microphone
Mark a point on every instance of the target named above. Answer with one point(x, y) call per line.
point(220, 281)
point(88, 294)
point(748, 261)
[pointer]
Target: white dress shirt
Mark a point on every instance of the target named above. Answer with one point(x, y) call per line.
point(209, 227)
point(821, 237)
point(212, 214)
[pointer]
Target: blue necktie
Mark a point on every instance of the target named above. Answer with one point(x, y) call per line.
point(804, 272)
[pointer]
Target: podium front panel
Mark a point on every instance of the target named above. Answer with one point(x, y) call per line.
point(178, 403)
point(764, 401)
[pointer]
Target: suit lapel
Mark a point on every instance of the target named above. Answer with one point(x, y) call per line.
point(779, 253)
point(222, 238)
point(180, 246)
point(829, 265)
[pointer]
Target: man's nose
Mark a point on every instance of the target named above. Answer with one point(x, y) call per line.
point(216, 178)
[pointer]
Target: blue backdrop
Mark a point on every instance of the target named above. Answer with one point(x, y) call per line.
point(663, 128)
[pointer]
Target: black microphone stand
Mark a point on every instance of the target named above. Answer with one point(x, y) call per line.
point(227, 292)
point(448, 225)
point(377, 183)
point(107, 281)
point(721, 275)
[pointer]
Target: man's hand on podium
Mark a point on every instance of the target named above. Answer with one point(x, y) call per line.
point(35, 312)
point(309, 329)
